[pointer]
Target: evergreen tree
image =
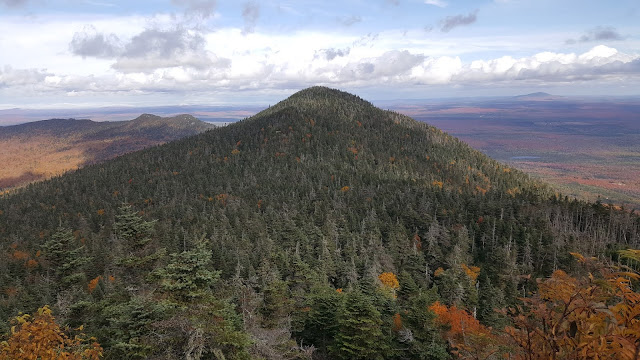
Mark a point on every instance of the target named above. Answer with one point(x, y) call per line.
point(66, 259)
point(359, 334)
point(139, 251)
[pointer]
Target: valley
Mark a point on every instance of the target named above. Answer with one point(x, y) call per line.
point(587, 148)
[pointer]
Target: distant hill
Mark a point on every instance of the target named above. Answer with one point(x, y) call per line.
point(537, 96)
point(41, 149)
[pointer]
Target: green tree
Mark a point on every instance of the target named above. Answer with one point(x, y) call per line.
point(65, 259)
point(359, 334)
point(139, 251)
point(201, 324)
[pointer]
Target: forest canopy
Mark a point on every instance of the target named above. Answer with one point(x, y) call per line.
point(322, 228)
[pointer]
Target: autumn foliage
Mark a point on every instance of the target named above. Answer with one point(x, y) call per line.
point(592, 317)
point(389, 280)
point(467, 337)
point(39, 337)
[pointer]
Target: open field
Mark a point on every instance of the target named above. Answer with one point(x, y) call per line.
point(586, 148)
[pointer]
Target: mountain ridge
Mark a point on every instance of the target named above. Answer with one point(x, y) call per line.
point(49, 147)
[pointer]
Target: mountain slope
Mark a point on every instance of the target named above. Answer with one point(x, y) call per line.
point(41, 149)
point(319, 193)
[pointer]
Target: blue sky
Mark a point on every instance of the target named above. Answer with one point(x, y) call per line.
point(84, 53)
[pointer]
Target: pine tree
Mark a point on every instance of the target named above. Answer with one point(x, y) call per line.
point(139, 252)
point(359, 333)
point(65, 259)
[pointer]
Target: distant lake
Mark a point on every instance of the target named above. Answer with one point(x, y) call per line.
point(525, 157)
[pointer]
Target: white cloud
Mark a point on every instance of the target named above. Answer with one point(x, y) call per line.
point(161, 55)
point(438, 3)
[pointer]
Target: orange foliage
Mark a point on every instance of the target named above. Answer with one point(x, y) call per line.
point(112, 278)
point(459, 321)
point(353, 150)
point(481, 190)
point(20, 255)
point(39, 337)
point(339, 290)
point(11, 291)
point(100, 212)
point(439, 271)
point(222, 198)
point(587, 318)
point(397, 322)
point(468, 338)
point(344, 189)
point(437, 183)
point(389, 280)
point(417, 242)
point(31, 264)
point(93, 283)
point(472, 272)
point(235, 151)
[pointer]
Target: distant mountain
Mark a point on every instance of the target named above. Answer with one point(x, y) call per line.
point(320, 224)
point(537, 96)
point(41, 149)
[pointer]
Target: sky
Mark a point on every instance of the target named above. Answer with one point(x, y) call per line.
point(87, 53)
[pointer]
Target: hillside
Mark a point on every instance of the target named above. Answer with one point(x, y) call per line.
point(42, 149)
point(321, 224)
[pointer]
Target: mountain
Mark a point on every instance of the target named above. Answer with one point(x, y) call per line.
point(321, 224)
point(537, 96)
point(41, 149)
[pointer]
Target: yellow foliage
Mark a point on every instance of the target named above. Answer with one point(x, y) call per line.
point(345, 189)
point(513, 191)
point(437, 183)
point(39, 337)
point(389, 280)
point(100, 212)
point(235, 151)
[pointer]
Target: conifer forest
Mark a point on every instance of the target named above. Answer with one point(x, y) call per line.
point(320, 228)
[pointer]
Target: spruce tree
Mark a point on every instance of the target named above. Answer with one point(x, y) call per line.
point(359, 333)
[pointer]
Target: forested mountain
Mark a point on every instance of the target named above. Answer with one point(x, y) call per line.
point(42, 149)
point(322, 226)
